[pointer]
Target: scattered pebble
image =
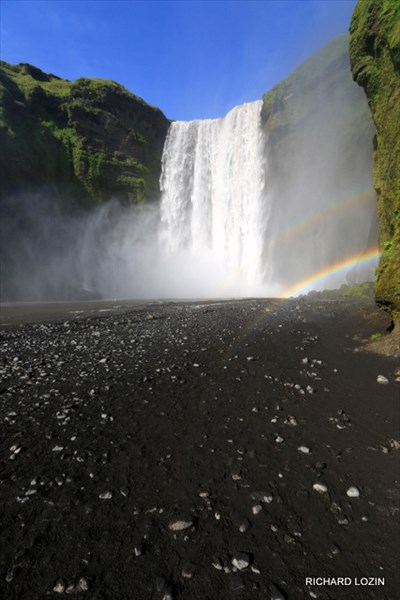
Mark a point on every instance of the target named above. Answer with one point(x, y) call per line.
point(320, 488)
point(382, 379)
point(262, 497)
point(304, 449)
point(59, 587)
point(82, 585)
point(241, 561)
point(353, 492)
point(180, 525)
point(11, 574)
point(187, 571)
point(106, 496)
point(244, 526)
point(217, 564)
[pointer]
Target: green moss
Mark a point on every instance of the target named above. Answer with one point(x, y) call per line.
point(375, 62)
point(361, 291)
point(375, 336)
point(92, 136)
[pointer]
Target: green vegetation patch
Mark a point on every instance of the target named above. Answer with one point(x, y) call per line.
point(92, 136)
point(375, 63)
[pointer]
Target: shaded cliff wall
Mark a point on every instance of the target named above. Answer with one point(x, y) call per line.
point(375, 63)
point(320, 140)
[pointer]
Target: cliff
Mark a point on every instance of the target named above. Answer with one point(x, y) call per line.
point(375, 63)
point(320, 143)
point(91, 137)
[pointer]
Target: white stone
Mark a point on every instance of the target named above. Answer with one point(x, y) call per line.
point(106, 496)
point(320, 488)
point(59, 588)
point(353, 492)
point(256, 509)
point(82, 585)
point(241, 562)
point(382, 379)
point(179, 525)
point(304, 449)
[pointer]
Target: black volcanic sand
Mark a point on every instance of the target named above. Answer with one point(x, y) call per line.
point(119, 423)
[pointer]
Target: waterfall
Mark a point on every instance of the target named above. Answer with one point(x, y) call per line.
point(214, 200)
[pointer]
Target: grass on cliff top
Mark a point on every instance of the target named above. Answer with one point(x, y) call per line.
point(100, 87)
point(28, 78)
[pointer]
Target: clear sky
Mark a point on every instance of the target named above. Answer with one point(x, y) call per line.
point(193, 59)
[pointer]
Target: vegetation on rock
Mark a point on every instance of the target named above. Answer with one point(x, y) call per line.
point(360, 291)
point(375, 62)
point(91, 138)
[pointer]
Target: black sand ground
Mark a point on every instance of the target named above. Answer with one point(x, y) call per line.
point(115, 425)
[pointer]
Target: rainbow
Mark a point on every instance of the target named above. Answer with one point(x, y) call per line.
point(332, 211)
point(351, 261)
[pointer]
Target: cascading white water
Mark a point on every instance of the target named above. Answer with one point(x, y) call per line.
point(214, 199)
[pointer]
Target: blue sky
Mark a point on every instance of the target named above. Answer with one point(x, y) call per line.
point(193, 59)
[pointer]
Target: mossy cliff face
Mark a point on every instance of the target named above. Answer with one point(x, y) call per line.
point(375, 63)
point(90, 137)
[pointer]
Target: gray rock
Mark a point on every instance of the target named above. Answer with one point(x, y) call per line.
point(217, 564)
point(382, 379)
point(188, 571)
point(106, 496)
point(59, 586)
point(320, 488)
point(11, 574)
point(82, 585)
point(180, 524)
point(262, 497)
point(241, 560)
point(244, 526)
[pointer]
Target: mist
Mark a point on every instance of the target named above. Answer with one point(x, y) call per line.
point(53, 250)
point(251, 205)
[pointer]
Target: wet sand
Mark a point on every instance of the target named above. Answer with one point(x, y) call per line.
point(198, 450)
